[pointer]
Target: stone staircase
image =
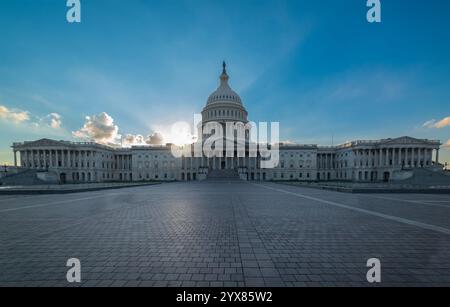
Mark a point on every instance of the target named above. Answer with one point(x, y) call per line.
point(226, 174)
point(27, 177)
point(423, 176)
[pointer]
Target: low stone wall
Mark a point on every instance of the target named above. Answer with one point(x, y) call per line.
point(356, 188)
point(69, 188)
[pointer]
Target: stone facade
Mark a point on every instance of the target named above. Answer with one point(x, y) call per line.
point(368, 161)
point(360, 161)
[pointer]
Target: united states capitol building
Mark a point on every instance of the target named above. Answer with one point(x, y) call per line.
point(358, 161)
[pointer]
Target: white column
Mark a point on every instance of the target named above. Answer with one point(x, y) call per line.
point(412, 157)
point(393, 156)
point(42, 157)
point(418, 157)
point(437, 156)
point(386, 156)
point(409, 156)
point(395, 161)
point(50, 160)
point(403, 156)
point(386, 160)
point(380, 157)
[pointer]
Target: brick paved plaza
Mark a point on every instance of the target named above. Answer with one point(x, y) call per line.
point(224, 234)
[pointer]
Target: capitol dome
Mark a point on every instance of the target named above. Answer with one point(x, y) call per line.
point(224, 93)
point(224, 104)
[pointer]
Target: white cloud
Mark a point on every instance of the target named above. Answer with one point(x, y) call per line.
point(53, 120)
point(445, 122)
point(155, 139)
point(15, 116)
point(133, 140)
point(136, 140)
point(429, 124)
point(25, 118)
point(99, 128)
point(447, 145)
point(102, 129)
point(179, 133)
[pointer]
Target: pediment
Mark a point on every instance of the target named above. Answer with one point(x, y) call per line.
point(44, 142)
point(405, 140)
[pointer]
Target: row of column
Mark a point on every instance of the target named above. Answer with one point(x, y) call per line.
point(123, 162)
point(63, 158)
point(56, 158)
point(384, 157)
point(326, 161)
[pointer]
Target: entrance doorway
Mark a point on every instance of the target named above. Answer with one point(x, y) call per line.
point(62, 178)
point(386, 177)
point(223, 165)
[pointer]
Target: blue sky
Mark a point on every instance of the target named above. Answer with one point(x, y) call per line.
point(317, 67)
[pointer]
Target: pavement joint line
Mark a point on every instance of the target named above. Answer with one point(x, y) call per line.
point(56, 203)
point(15, 198)
point(374, 213)
point(234, 207)
point(250, 224)
point(426, 203)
